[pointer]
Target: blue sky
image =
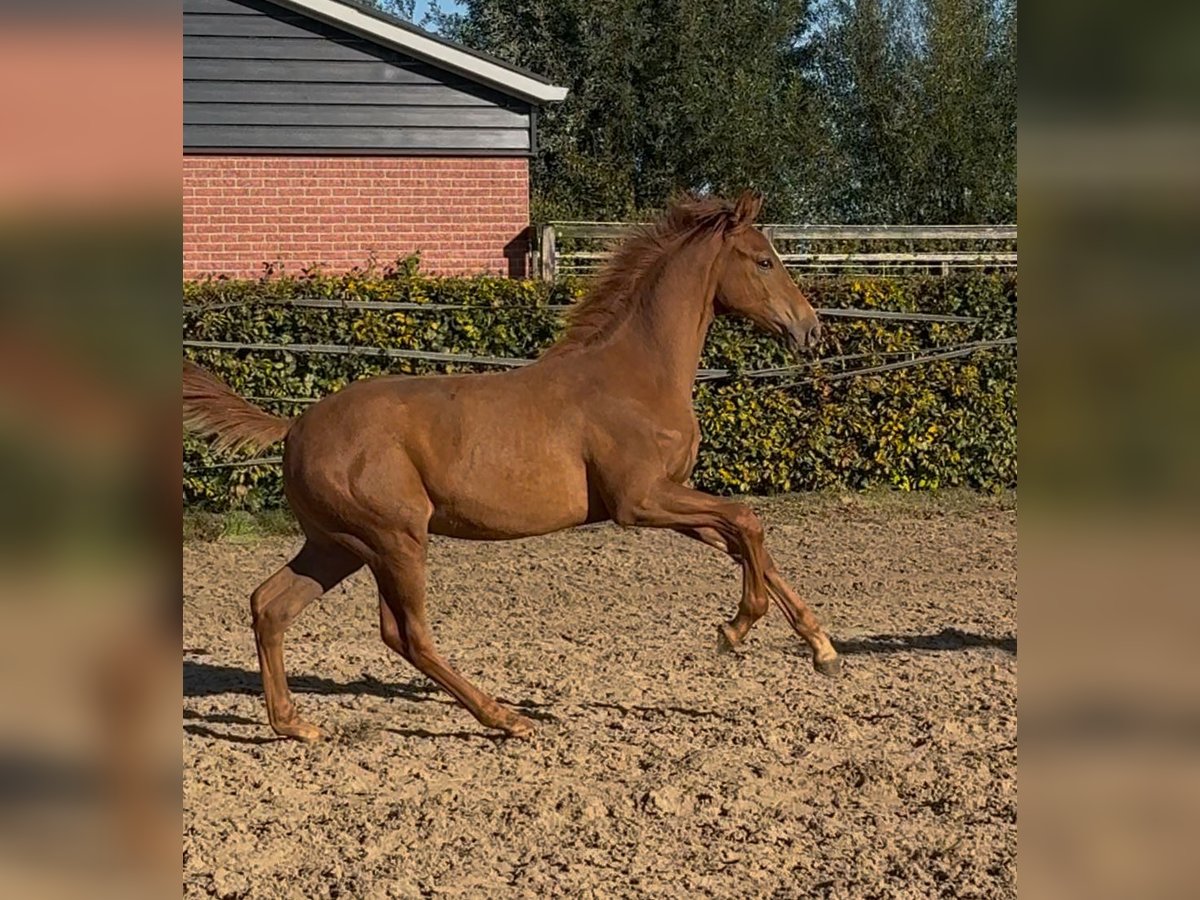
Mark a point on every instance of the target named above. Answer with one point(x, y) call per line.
point(423, 6)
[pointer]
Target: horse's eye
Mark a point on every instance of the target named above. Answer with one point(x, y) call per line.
point(765, 263)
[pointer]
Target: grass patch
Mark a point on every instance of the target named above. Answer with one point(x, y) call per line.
point(238, 526)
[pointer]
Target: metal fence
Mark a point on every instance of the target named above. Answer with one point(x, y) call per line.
point(580, 248)
point(808, 371)
point(833, 368)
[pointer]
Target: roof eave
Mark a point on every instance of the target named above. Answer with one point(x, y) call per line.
point(436, 52)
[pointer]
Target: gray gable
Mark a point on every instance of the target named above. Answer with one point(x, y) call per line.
point(261, 77)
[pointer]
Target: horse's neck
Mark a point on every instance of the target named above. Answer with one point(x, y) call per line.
point(664, 336)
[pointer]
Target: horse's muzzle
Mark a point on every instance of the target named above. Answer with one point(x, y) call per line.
point(805, 335)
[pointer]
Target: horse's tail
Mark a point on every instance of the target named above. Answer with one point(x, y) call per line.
point(211, 409)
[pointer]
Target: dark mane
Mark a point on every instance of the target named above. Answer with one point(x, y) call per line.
point(633, 267)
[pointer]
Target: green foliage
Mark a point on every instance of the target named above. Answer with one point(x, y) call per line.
point(664, 95)
point(919, 101)
point(839, 110)
point(401, 9)
point(941, 424)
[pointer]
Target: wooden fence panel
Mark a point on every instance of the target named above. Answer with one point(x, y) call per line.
point(580, 248)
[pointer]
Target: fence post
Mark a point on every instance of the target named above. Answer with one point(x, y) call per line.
point(549, 254)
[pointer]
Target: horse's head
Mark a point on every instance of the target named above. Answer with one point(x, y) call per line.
point(753, 283)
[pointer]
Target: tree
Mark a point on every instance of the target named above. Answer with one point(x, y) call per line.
point(863, 73)
point(920, 104)
point(840, 110)
point(664, 95)
point(401, 9)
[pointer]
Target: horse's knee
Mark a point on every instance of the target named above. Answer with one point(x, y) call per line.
point(747, 522)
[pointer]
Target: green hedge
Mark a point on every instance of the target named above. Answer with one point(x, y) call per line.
point(951, 422)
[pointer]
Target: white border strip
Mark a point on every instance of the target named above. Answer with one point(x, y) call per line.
point(433, 51)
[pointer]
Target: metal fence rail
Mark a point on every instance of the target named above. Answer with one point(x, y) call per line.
point(580, 248)
point(801, 373)
point(408, 306)
point(775, 372)
point(462, 359)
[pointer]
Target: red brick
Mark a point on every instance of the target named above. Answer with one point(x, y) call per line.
point(240, 212)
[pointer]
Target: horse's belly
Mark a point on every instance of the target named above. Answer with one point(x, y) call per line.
point(510, 501)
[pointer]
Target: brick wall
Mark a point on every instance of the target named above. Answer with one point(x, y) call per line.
point(464, 215)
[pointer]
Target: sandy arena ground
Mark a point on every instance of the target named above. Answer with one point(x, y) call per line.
point(662, 768)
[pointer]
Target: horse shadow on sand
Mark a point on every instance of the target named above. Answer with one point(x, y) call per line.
point(204, 679)
point(945, 640)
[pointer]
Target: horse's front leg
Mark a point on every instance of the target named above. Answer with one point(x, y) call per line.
point(735, 528)
point(753, 605)
point(795, 610)
point(665, 504)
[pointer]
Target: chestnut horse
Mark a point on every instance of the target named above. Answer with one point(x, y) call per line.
point(599, 428)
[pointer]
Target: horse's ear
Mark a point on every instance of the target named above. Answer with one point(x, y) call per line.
point(746, 210)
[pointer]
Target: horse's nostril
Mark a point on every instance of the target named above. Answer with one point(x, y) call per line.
point(814, 335)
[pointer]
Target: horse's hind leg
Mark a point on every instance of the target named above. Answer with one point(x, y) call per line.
point(274, 605)
point(404, 628)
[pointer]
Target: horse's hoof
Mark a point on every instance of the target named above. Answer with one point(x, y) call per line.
point(727, 639)
point(518, 726)
point(830, 667)
point(301, 731)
